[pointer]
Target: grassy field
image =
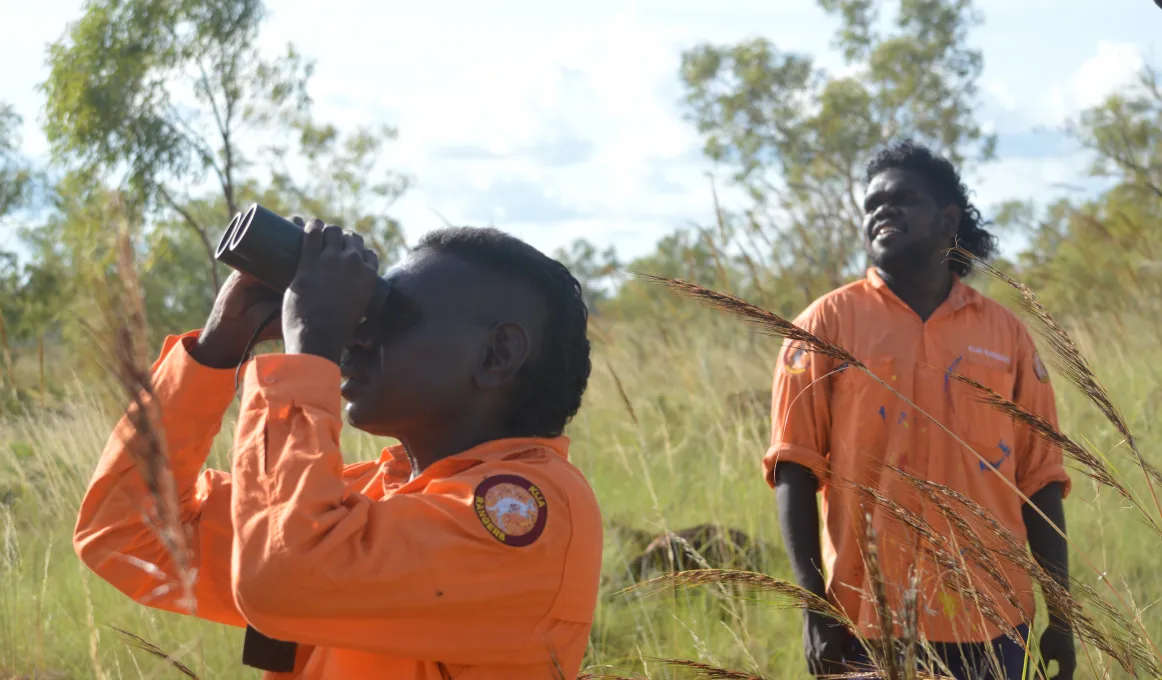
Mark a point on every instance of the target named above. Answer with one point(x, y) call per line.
point(670, 453)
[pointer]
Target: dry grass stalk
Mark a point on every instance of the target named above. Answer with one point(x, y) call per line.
point(599, 333)
point(1150, 660)
point(772, 324)
point(756, 279)
point(123, 342)
point(1124, 647)
point(940, 551)
point(621, 391)
point(40, 360)
point(883, 648)
point(1068, 360)
point(704, 546)
point(1091, 465)
point(910, 630)
point(760, 319)
point(707, 672)
point(144, 645)
point(11, 375)
point(558, 670)
point(792, 595)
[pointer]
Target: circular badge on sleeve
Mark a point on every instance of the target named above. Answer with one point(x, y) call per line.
point(1039, 368)
point(796, 360)
point(511, 508)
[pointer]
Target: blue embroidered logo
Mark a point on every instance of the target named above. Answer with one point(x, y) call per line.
point(1005, 449)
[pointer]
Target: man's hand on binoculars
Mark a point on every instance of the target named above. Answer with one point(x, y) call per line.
point(332, 288)
point(243, 303)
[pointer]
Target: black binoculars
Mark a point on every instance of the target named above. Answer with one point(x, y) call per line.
point(267, 246)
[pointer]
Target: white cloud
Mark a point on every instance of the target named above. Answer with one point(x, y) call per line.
point(1028, 178)
point(1114, 66)
point(1000, 94)
point(539, 130)
point(561, 120)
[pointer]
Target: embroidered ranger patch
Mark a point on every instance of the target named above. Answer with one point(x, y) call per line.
point(511, 508)
point(796, 360)
point(1039, 368)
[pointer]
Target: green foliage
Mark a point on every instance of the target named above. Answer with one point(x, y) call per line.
point(172, 102)
point(1125, 135)
point(796, 138)
point(155, 106)
point(155, 95)
point(596, 270)
point(15, 175)
point(343, 181)
point(163, 90)
point(686, 457)
point(1081, 254)
point(691, 254)
point(16, 182)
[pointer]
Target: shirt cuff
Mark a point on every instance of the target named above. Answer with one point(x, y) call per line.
point(185, 386)
point(301, 379)
point(1043, 477)
point(791, 453)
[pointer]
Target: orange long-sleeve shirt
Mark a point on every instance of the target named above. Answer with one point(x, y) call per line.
point(845, 426)
point(486, 566)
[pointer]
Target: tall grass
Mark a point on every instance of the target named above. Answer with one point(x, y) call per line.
point(665, 449)
point(1125, 640)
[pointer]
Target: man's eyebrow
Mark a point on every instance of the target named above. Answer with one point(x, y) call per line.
point(888, 192)
point(874, 196)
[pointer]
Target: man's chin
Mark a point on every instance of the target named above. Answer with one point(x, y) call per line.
point(354, 414)
point(893, 259)
point(361, 417)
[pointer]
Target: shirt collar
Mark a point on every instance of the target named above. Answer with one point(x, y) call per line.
point(398, 465)
point(960, 296)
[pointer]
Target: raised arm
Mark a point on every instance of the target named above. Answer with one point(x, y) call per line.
point(113, 536)
point(415, 574)
point(193, 384)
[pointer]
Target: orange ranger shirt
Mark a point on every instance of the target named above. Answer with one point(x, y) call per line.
point(486, 566)
point(845, 426)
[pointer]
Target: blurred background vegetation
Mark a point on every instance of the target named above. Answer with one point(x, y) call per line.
point(154, 105)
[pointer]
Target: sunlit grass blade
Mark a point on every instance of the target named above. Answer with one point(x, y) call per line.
point(138, 642)
point(760, 319)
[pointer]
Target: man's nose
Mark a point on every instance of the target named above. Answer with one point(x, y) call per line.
point(885, 210)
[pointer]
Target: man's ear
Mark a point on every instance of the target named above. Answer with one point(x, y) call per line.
point(506, 350)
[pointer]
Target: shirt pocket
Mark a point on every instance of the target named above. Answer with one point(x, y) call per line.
point(862, 412)
point(985, 428)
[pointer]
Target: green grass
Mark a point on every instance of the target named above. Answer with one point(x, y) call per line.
point(688, 460)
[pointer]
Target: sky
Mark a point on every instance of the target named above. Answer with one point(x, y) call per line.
point(553, 120)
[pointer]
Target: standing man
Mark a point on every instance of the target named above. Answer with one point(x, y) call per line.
point(472, 549)
point(913, 323)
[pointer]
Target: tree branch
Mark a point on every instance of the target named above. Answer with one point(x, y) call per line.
point(193, 224)
point(222, 122)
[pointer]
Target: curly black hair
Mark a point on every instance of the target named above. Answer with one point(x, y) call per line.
point(946, 186)
point(550, 385)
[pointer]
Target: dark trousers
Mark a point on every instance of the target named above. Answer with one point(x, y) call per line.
point(966, 661)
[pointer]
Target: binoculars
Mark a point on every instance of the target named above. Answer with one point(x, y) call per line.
point(267, 246)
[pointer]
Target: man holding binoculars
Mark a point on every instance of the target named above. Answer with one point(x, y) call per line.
point(470, 550)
